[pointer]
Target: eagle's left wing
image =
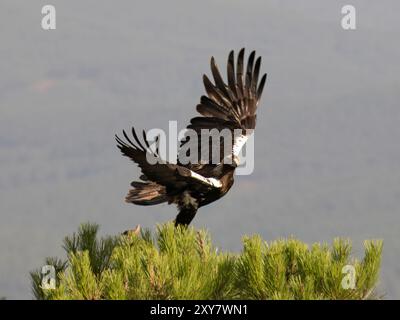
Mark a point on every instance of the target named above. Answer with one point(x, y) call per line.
point(173, 177)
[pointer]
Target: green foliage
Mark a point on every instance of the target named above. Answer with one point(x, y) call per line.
point(179, 263)
point(36, 276)
point(99, 251)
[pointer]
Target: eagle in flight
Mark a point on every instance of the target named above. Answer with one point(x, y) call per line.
point(228, 106)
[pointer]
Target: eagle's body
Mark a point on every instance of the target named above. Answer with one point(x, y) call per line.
point(190, 186)
point(194, 197)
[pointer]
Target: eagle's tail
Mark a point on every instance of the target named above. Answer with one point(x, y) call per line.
point(146, 193)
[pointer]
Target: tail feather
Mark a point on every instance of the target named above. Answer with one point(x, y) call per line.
point(146, 193)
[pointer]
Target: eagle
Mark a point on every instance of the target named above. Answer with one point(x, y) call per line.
point(229, 106)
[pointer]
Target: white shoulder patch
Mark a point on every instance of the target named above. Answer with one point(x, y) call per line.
point(210, 181)
point(215, 182)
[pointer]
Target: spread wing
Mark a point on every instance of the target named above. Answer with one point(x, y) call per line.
point(155, 169)
point(237, 100)
point(230, 105)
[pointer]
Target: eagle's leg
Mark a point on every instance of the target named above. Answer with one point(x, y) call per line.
point(187, 210)
point(185, 216)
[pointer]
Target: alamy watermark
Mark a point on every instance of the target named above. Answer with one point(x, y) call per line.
point(348, 21)
point(349, 280)
point(49, 18)
point(48, 277)
point(233, 147)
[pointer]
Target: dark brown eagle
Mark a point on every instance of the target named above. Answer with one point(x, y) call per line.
point(230, 106)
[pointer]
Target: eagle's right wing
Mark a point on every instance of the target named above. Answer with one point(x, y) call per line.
point(237, 100)
point(230, 106)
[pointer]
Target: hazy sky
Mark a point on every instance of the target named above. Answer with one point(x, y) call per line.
point(327, 139)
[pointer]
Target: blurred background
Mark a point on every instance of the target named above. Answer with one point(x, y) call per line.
point(327, 140)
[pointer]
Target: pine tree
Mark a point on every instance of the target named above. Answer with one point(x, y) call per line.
point(179, 263)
